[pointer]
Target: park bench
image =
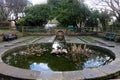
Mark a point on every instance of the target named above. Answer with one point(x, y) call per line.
point(71, 28)
point(9, 36)
point(110, 36)
point(106, 35)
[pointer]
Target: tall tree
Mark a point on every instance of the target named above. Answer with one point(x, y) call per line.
point(104, 17)
point(68, 12)
point(37, 15)
point(85, 14)
point(10, 7)
point(4, 11)
point(92, 20)
point(2, 18)
point(114, 5)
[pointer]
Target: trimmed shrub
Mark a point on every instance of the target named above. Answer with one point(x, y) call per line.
point(4, 25)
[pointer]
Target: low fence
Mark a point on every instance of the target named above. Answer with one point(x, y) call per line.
point(113, 29)
point(5, 28)
point(52, 31)
point(35, 30)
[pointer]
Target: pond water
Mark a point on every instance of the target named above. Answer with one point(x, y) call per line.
point(43, 60)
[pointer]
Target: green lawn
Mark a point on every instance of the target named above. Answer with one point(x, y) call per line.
point(89, 39)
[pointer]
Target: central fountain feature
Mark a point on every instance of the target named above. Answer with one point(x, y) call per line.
point(59, 44)
point(71, 56)
point(59, 56)
point(38, 57)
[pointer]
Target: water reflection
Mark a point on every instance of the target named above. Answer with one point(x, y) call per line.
point(40, 67)
point(97, 61)
point(49, 63)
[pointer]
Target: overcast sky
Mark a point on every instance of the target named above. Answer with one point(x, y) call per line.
point(38, 1)
point(90, 3)
point(96, 4)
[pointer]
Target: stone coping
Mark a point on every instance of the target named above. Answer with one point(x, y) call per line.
point(102, 72)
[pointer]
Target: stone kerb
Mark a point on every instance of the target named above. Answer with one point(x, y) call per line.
point(103, 72)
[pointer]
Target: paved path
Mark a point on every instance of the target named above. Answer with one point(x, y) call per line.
point(72, 39)
point(107, 42)
point(46, 39)
point(2, 45)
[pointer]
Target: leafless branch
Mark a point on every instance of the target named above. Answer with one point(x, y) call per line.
point(9, 7)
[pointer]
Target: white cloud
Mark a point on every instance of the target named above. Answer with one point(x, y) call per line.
point(38, 1)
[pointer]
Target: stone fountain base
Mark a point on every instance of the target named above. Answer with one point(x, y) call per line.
point(59, 51)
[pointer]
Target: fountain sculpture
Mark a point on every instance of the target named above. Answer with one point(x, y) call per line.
point(59, 44)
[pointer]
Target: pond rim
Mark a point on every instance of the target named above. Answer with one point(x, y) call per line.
point(100, 72)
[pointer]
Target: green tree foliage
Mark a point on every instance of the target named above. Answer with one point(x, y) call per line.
point(67, 12)
point(92, 19)
point(2, 18)
point(85, 14)
point(115, 26)
point(36, 15)
point(21, 22)
point(104, 17)
point(95, 15)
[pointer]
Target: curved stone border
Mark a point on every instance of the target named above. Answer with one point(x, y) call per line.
point(103, 72)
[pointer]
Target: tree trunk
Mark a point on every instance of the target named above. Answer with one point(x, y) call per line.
point(118, 18)
point(80, 26)
point(104, 27)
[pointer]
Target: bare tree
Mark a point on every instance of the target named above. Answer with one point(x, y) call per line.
point(13, 7)
point(114, 6)
point(4, 9)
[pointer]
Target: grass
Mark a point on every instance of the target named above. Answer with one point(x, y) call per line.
point(30, 39)
point(88, 38)
point(8, 31)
